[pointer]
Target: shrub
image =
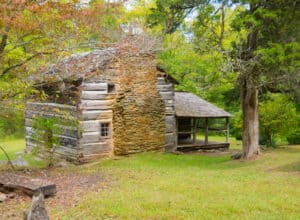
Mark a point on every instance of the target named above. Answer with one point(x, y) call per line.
point(237, 130)
point(277, 117)
point(294, 137)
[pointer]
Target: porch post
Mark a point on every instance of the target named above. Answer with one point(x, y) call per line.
point(194, 130)
point(227, 130)
point(206, 131)
point(176, 133)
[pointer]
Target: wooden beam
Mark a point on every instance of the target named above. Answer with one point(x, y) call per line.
point(185, 132)
point(227, 130)
point(16, 182)
point(95, 86)
point(176, 133)
point(194, 130)
point(206, 131)
point(214, 129)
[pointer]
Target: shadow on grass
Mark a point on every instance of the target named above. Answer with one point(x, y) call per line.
point(291, 167)
point(145, 161)
point(294, 149)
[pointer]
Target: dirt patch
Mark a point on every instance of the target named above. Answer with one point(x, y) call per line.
point(71, 186)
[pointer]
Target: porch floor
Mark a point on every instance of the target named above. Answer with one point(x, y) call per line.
point(186, 145)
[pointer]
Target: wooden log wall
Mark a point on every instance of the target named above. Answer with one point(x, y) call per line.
point(95, 108)
point(166, 92)
point(68, 138)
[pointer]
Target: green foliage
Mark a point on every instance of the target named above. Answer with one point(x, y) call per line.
point(271, 49)
point(278, 118)
point(237, 127)
point(46, 133)
point(169, 14)
point(12, 124)
point(198, 73)
point(11, 118)
point(294, 136)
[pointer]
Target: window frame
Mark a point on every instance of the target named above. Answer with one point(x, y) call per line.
point(108, 130)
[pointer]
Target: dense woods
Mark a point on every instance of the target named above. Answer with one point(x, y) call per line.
point(241, 55)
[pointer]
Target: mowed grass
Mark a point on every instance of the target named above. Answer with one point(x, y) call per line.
point(168, 186)
point(11, 147)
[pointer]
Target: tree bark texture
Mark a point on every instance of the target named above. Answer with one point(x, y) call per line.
point(249, 99)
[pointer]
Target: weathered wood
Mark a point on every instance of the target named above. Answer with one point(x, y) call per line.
point(206, 131)
point(49, 106)
point(92, 95)
point(95, 86)
point(170, 119)
point(68, 141)
point(170, 111)
point(167, 95)
point(91, 115)
point(109, 96)
point(97, 114)
point(88, 126)
point(169, 138)
point(196, 146)
point(11, 182)
point(92, 148)
point(214, 129)
point(227, 130)
point(194, 129)
point(90, 137)
point(37, 209)
point(34, 114)
point(96, 104)
point(91, 157)
point(170, 127)
point(161, 81)
point(165, 87)
point(93, 125)
point(65, 131)
point(185, 132)
point(169, 103)
point(67, 151)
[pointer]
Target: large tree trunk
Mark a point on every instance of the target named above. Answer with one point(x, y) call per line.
point(249, 99)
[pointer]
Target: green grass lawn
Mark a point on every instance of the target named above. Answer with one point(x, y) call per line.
point(168, 186)
point(11, 147)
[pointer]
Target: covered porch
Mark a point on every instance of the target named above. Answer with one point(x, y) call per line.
point(194, 115)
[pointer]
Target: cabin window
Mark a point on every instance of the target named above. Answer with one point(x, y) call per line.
point(110, 88)
point(105, 129)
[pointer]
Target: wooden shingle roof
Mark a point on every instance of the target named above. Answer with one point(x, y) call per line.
point(190, 105)
point(75, 66)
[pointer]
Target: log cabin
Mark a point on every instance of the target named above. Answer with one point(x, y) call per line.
point(123, 103)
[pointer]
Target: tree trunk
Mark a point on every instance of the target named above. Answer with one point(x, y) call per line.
point(249, 99)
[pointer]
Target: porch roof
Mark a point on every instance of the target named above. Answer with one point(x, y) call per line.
point(190, 105)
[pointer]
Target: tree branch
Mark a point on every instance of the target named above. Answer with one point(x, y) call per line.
point(8, 159)
point(222, 23)
point(23, 62)
point(3, 43)
point(24, 43)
